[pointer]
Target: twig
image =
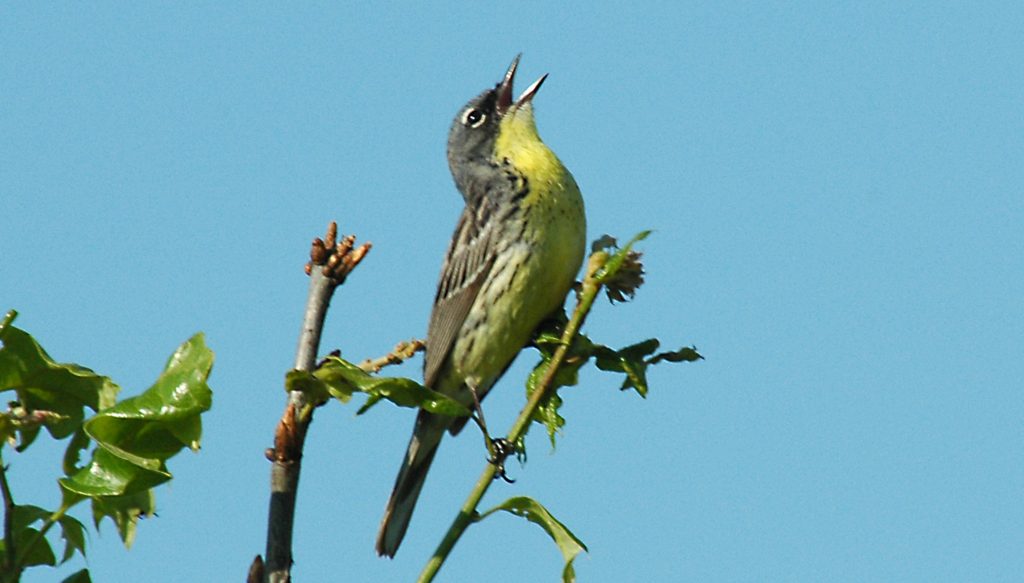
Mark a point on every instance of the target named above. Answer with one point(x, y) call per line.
point(468, 513)
point(403, 351)
point(330, 263)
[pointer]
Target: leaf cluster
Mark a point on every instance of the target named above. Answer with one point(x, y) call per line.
point(338, 378)
point(619, 272)
point(631, 361)
point(126, 443)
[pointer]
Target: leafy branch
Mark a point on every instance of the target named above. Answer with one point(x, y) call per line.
point(129, 442)
point(619, 273)
point(564, 350)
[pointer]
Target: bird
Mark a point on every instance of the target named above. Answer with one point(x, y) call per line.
point(512, 260)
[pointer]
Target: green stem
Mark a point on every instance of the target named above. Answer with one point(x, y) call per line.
point(9, 550)
point(8, 319)
point(468, 512)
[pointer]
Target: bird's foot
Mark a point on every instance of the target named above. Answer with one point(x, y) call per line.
point(500, 449)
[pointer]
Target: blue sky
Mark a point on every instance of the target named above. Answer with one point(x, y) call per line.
point(837, 204)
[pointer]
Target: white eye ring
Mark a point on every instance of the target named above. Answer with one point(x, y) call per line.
point(473, 118)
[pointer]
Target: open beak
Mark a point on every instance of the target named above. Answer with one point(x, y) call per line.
point(505, 89)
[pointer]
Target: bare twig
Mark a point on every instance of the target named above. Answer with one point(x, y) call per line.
point(335, 261)
point(403, 351)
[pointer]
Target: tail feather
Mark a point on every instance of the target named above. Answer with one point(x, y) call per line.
point(426, 438)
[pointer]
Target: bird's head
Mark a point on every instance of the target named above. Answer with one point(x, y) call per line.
point(493, 117)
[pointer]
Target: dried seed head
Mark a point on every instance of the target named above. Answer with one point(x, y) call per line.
point(630, 276)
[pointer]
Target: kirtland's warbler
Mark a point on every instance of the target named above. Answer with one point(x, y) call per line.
point(511, 262)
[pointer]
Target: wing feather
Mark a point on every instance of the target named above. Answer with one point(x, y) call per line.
point(468, 263)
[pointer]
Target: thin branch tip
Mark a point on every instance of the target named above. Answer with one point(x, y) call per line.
point(337, 256)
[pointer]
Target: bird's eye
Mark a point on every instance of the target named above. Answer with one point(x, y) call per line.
point(473, 118)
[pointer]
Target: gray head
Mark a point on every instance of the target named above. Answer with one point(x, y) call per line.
point(476, 126)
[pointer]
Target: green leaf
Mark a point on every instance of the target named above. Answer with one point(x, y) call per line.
point(135, 438)
point(78, 577)
point(684, 354)
point(547, 342)
point(547, 410)
point(339, 377)
point(73, 533)
point(73, 454)
point(148, 429)
point(23, 515)
point(69, 498)
point(343, 378)
point(32, 549)
point(567, 375)
point(111, 475)
point(408, 393)
point(631, 361)
point(317, 389)
point(530, 509)
point(125, 511)
point(41, 384)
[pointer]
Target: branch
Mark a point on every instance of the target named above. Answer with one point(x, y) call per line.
point(591, 286)
point(10, 552)
point(403, 351)
point(330, 263)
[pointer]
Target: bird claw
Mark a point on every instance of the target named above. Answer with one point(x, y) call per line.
point(501, 448)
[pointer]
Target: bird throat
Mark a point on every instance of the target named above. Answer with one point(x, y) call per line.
point(519, 143)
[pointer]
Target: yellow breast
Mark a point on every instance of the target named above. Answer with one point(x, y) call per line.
point(519, 142)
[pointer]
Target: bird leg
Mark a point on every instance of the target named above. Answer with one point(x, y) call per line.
point(477, 415)
point(499, 449)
